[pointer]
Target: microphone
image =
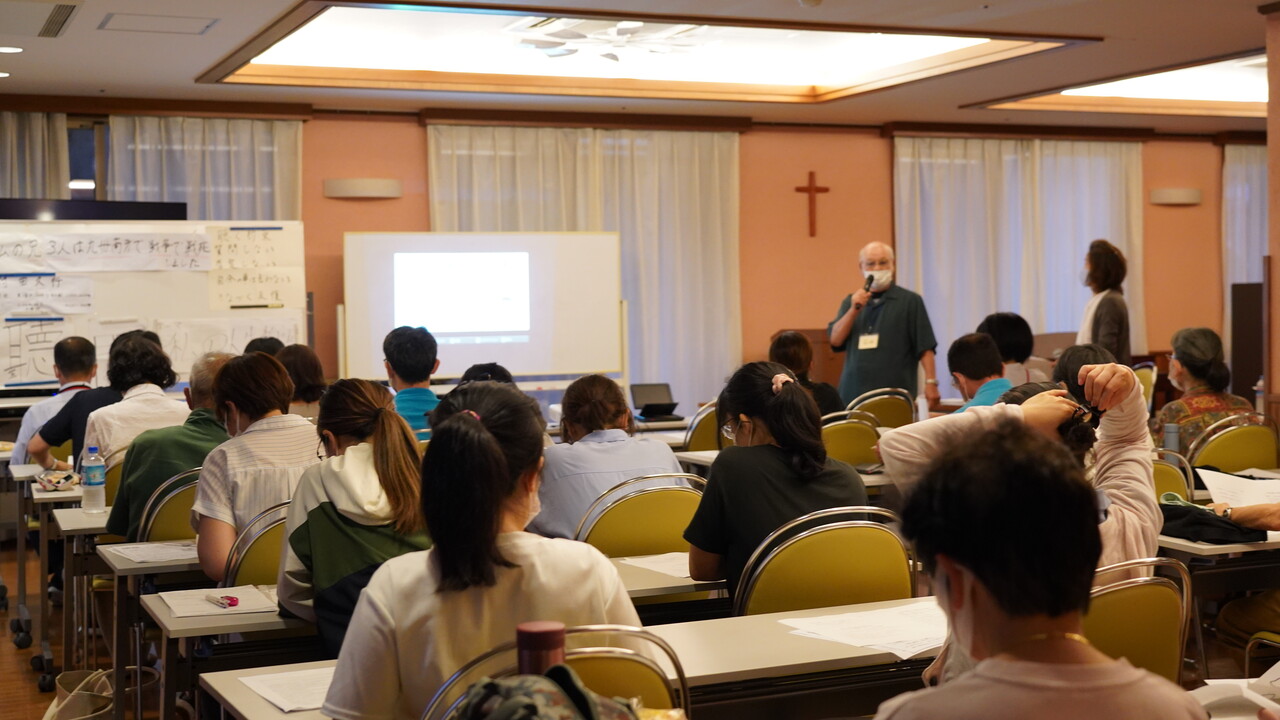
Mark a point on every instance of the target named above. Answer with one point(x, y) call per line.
point(865, 287)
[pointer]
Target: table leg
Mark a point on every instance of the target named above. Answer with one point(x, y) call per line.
point(70, 658)
point(120, 622)
point(21, 625)
point(169, 683)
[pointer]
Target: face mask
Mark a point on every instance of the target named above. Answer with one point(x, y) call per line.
point(961, 621)
point(881, 280)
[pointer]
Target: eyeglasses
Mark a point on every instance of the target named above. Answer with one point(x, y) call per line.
point(320, 450)
point(727, 431)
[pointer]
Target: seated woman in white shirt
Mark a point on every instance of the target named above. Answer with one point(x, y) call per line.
point(260, 465)
point(1006, 526)
point(599, 451)
point(425, 614)
point(141, 371)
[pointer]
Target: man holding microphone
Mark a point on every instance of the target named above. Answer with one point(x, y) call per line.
point(884, 331)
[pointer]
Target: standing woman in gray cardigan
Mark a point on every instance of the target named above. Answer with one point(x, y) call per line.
point(1106, 317)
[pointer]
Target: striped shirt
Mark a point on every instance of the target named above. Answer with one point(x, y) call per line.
point(254, 470)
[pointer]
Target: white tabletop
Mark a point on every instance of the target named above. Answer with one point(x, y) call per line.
point(26, 471)
point(72, 494)
point(737, 649)
point(704, 458)
point(245, 704)
point(752, 647)
point(1208, 549)
point(123, 566)
point(184, 627)
point(75, 521)
point(643, 583)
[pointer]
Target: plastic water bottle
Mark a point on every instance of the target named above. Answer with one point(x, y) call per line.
point(95, 482)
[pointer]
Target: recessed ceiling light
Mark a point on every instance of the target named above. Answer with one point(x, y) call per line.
point(82, 185)
point(8, 49)
point(4, 74)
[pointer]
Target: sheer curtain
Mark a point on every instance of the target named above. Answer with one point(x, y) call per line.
point(34, 160)
point(1003, 225)
point(1244, 222)
point(224, 169)
point(671, 196)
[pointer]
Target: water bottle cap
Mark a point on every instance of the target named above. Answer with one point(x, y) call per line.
point(93, 449)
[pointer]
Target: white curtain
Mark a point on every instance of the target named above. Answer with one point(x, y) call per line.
point(34, 160)
point(1244, 222)
point(224, 169)
point(1003, 225)
point(672, 197)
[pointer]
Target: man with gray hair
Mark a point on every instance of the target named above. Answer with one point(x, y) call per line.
point(884, 331)
point(157, 455)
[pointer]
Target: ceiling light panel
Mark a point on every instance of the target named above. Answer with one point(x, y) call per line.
point(431, 48)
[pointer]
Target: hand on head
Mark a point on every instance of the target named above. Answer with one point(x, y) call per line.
point(1046, 411)
point(1105, 386)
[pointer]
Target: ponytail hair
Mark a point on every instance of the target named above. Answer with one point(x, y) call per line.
point(364, 410)
point(485, 436)
point(1078, 434)
point(790, 414)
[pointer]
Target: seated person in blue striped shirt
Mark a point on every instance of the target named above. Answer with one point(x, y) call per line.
point(600, 450)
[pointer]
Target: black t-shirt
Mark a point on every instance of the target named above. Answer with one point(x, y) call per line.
point(752, 491)
point(827, 397)
point(70, 422)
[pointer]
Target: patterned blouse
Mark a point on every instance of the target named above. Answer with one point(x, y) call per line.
point(1196, 410)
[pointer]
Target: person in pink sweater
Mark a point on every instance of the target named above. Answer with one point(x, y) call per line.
point(1120, 470)
point(1006, 526)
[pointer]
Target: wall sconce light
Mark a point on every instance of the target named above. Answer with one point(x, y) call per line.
point(1176, 196)
point(372, 188)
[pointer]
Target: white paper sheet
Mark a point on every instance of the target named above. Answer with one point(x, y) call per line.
point(45, 294)
point(905, 631)
point(112, 252)
point(1260, 473)
point(257, 288)
point(293, 691)
point(675, 564)
point(1238, 491)
point(244, 248)
point(195, 603)
point(26, 350)
point(146, 552)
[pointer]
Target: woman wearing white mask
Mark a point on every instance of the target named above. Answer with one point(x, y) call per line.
point(425, 614)
point(260, 465)
point(1197, 368)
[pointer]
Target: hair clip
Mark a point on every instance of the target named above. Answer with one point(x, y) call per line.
point(473, 414)
point(779, 380)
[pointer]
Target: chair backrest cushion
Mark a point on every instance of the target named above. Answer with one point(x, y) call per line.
point(1140, 620)
point(1239, 448)
point(890, 410)
point(1169, 479)
point(703, 432)
point(172, 519)
point(646, 522)
point(260, 564)
point(838, 564)
point(615, 675)
point(851, 442)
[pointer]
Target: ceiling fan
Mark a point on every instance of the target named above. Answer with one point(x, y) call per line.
point(612, 40)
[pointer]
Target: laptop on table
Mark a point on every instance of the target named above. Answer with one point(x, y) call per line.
point(653, 402)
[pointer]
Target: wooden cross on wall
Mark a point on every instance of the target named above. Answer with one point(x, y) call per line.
point(812, 189)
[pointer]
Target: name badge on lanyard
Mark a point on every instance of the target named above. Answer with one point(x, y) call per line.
point(870, 341)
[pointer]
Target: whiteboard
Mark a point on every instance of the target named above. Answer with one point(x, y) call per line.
point(201, 286)
point(537, 303)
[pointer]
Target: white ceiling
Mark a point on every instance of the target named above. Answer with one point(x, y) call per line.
point(1138, 36)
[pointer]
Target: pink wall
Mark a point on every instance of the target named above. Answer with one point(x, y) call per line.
point(788, 279)
point(354, 147)
point(1182, 245)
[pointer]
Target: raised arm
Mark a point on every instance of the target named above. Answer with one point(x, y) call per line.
point(908, 450)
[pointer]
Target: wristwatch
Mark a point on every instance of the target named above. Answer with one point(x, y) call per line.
point(1226, 514)
point(930, 381)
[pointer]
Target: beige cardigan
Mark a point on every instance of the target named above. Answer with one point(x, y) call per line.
point(1121, 467)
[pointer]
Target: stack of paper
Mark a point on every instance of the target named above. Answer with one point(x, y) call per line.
point(293, 691)
point(905, 630)
point(194, 603)
point(157, 551)
point(675, 564)
point(1241, 698)
point(1238, 491)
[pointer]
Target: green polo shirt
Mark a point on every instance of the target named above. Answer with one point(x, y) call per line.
point(155, 456)
point(900, 320)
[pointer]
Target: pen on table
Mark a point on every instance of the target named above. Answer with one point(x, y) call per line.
point(223, 601)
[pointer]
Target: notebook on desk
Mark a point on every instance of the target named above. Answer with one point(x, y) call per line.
point(653, 402)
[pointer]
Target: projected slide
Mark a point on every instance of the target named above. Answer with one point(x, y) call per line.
point(464, 297)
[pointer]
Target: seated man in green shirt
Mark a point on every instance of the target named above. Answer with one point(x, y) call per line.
point(157, 455)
